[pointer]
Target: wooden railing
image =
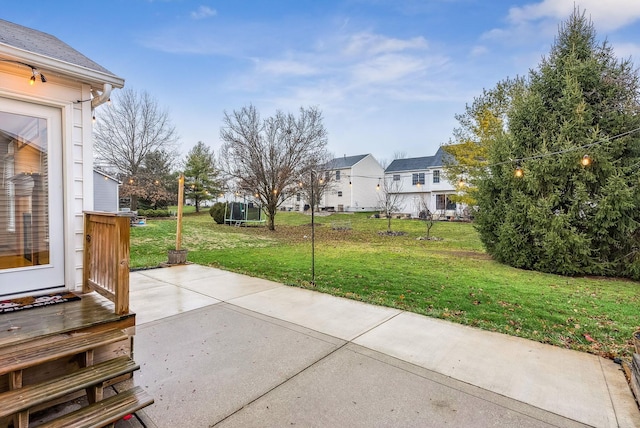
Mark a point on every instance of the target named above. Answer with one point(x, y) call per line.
point(106, 257)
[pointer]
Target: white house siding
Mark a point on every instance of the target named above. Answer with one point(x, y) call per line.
point(412, 196)
point(105, 193)
point(361, 195)
point(76, 151)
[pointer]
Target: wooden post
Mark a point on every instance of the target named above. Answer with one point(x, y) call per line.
point(180, 199)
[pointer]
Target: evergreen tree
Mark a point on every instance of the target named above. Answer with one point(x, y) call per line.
point(201, 176)
point(482, 122)
point(561, 216)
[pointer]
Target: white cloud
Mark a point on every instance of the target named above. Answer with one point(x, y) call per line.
point(373, 44)
point(479, 50)
point(285, 67)
point(203, 12)
point(626, 50)
point(608, 15)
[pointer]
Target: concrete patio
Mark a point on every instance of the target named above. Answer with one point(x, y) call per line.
point(223, 349)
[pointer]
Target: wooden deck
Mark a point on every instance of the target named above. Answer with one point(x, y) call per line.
point(60, 331)
point(91, 313)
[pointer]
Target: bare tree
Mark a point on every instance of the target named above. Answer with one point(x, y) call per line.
point(317, 179)
point(389, 198)
point(426, 215)
point(399, 155)
point(268, 157)
point(129, 130)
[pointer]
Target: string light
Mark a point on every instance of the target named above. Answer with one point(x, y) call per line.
point(586, 160)
point(560, 152)
point(519, 173)
point(34, 71)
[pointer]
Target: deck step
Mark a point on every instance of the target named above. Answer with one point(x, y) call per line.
point(104, 412)
point(13, 360)
point(22, 399)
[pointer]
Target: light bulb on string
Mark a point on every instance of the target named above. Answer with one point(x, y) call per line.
point(586, 160)
point(518, 173)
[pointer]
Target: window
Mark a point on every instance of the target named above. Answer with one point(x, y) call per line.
point(339, 194)
point(326, 176)
point(436, 176)
point(443, 203)
point(417, 178)
point(396, 177)
point(297, 197)
point(337, 175)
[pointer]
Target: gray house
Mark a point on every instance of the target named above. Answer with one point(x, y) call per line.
point(105, 192)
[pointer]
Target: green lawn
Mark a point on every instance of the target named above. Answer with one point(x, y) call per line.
point(452, 278)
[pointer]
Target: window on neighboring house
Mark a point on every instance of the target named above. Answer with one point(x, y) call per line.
point(450, 204)
point(396, 177)
point(444, 203)
point(417, 178)
point(436, 176)
point(339, 194)
point(326, 176)
point(337, 175)
point(297, 197)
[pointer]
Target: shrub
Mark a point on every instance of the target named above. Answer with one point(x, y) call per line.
point(154, 213)
point(217, 212)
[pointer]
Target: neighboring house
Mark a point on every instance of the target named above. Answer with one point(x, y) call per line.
point(353, 183)
point(48, 96)
point(421, 183)
point(106, 195)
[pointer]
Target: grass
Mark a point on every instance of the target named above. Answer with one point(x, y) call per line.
point(452, 278)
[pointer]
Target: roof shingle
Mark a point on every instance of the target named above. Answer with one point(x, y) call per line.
point(415, 164)
point(35, 41)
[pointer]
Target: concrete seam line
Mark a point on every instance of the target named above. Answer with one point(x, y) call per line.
point(281, 383)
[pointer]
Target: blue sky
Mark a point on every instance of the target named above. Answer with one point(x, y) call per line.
point(388, 75)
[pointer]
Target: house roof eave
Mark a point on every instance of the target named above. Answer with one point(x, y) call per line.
point(95, 78)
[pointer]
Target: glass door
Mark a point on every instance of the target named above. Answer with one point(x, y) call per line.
point(31, 198)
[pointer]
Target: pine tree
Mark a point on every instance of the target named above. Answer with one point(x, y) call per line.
point(201, 175)
point(561, 216)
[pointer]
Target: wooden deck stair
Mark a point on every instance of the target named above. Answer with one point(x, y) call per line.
point(20, 400)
